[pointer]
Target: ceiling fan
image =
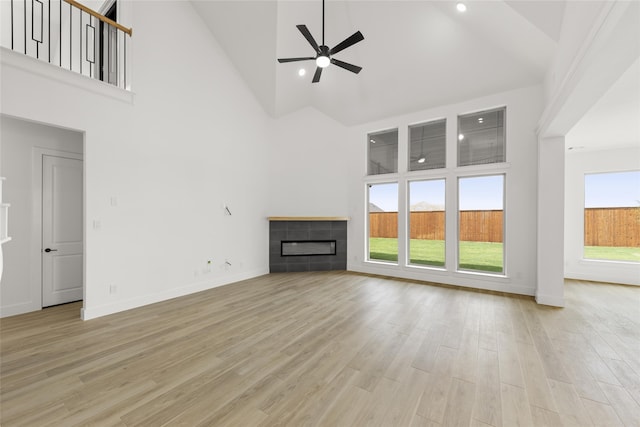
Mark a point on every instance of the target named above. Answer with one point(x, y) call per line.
point(323, 54)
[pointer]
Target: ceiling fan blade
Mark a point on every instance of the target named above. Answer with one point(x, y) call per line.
point(316, 76)
point(307, 35)
point(349, 41)
point(281, 60)
point(346, 65)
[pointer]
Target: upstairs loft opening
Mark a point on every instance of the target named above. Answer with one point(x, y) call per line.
point(71, 36)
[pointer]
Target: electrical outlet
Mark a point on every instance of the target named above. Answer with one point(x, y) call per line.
point(113, 289)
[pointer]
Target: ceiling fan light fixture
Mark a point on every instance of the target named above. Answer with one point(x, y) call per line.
point(323, 61)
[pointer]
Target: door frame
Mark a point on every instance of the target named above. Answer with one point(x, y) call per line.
point(35, 276)
point(99, 40)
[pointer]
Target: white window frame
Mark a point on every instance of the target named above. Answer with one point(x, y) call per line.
point(439, 177)
point(503, 273)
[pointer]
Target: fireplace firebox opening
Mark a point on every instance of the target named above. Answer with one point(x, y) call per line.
point(307, 247)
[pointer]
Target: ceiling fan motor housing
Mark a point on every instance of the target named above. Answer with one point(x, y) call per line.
point(324, 51)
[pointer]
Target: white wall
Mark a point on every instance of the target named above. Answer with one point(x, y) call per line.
point(579, 163)
point(18, 139)
point(308, 166)
point(189, 139)
point(523, 110)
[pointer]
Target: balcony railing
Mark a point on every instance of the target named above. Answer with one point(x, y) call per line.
point(70, 35)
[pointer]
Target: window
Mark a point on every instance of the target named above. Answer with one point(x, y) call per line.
point(480, 223)
point(427, 145)
point(383, 152)
point(481, 138)
point(406, 214)
point(612, 216)
point(427, 222)
point(383, 222)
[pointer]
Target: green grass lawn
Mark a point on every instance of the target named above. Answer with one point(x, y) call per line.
point(612, 253)
point(481, 256)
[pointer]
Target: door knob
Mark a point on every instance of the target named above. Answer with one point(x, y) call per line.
point(50, 250)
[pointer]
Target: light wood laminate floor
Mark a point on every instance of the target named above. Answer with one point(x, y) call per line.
point(330, 349)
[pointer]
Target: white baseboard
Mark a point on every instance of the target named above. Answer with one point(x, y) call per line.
point(482, 282)
point(551, 300)
point(106, 309)
point(22, 308)
point(605, 278)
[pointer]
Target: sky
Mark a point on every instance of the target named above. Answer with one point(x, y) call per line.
point(608, 190)
point(481, 193)
point(619, 189)
point(431, 192)
point(385, 196)
point(476, 193)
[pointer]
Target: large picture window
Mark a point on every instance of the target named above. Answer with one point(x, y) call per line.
point(480, 223)
point(412, 213)
point(383, 222)
point(481, 138)
point(427, 222)
point(612, 216)
point(383, 152)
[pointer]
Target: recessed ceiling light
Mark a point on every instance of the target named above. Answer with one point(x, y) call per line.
point(461, 7)
point(421, 160)
point(302, 72)
point(460, 137)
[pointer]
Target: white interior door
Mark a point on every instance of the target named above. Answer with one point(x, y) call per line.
point(62, 242)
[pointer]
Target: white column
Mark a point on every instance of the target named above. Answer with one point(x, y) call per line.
point(550, 283)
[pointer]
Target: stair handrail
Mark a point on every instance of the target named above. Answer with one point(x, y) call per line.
point(100, 16)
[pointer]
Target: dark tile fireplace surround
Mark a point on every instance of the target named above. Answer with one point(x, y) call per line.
point(307, 232)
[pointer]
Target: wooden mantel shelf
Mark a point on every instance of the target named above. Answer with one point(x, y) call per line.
point(309, 218)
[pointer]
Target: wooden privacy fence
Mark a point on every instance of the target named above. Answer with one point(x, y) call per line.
point(481, 226)
point(475, 226)
point(612, 227)
point(603, 226)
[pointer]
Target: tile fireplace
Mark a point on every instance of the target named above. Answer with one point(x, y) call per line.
point(307, 244)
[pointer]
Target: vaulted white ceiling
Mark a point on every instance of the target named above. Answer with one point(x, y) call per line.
point(415, 55)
